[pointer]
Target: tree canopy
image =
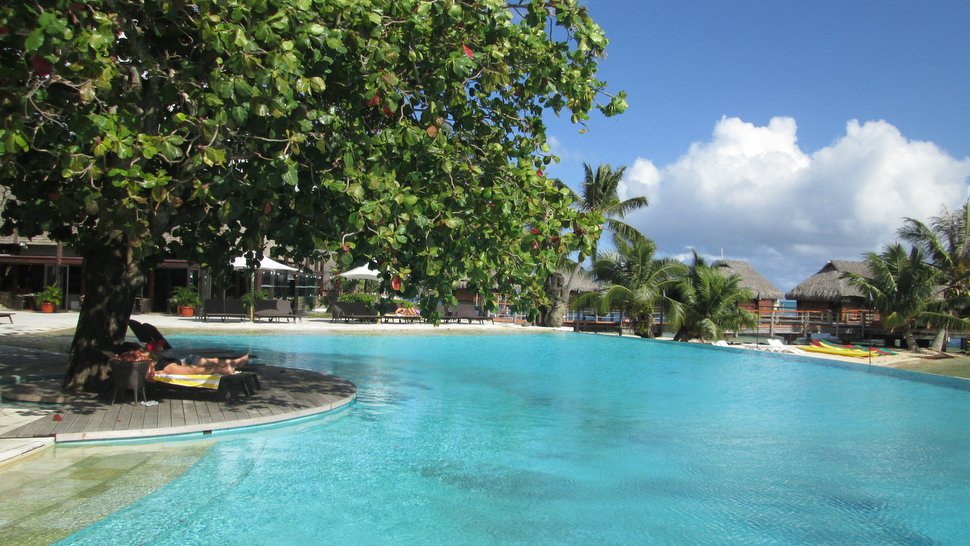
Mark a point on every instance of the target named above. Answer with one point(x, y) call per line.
point(406, 132)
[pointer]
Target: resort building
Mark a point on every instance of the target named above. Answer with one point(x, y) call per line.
point(830, 295)
point(29, 264)
point(766, 295)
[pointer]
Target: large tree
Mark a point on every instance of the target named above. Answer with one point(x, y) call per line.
point(408, 132)
point(599, 197)
point(946, 241)
point(636, 282)
point(902, 286)
point(707, 302)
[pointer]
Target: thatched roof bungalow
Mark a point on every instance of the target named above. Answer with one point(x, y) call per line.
point(765, 293)
point(828, 291)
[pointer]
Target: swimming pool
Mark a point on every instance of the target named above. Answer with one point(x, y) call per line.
point(566, 438)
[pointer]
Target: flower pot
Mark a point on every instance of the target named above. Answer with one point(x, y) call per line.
point(186, 311)
point(47, 307)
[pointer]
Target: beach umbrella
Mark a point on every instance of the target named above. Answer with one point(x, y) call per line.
point(265, 264)
point(362, 273)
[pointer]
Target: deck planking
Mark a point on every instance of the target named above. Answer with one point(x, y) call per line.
point(285, 394)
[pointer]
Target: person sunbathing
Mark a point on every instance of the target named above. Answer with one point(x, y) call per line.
point(200, 365)
point(186, 365)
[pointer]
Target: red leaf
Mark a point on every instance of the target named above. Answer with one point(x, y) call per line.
point(387, 111)
point(468, 51)
point(41, 66)
point(375, 100)
point(396, 283)
point(57, 417)
point(539, 172)
point(535, 231)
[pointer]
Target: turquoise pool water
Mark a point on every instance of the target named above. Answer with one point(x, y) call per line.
point(566, 438)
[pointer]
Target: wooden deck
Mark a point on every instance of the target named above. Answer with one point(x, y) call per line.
point(286, 394)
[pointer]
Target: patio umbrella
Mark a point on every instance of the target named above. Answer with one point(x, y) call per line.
point(265, 264)
point(362, 273)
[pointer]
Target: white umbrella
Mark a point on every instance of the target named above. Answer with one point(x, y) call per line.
point(362, 273)
point(266, 264)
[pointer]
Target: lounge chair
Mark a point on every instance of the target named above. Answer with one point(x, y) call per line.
point(148, 333)
point(353, 310)
point(776, 346)
point(6, 313)
point(467, 311)
point(403, 315)
point(274, 309)
point(224, 309)
point(223, 387)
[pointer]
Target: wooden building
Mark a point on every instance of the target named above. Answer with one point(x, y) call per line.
point(766, 295)
point(828, 293)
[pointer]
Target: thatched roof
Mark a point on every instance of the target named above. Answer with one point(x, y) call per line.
point(752, 280)
point(828, 285)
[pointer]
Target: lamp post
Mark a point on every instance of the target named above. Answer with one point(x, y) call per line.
point(757, 324)
point(865, 315)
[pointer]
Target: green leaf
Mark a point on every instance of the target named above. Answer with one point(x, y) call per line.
point(291, 177)
point(34, 40)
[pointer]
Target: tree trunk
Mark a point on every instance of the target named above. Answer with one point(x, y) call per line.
point(911, 341)
point(939, 340)
point(110, 280)
point(558, 292)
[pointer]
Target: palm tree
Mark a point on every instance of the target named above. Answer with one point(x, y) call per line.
point(599, 196)
point(946, 240)
point(902, 287)
point(707, 303)
point(638, 281)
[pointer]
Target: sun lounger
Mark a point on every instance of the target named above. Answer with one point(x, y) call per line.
point(148, 333)
point(275, 310)
point(402, 315)
point(352, 310)
point(466, 311)
point(223, 387)
point(224, 309)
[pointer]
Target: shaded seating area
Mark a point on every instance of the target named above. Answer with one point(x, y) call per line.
point(134, 370)
point(353, 310)
point(223, 309)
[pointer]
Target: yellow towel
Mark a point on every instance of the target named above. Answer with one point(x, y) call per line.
point(203, 381)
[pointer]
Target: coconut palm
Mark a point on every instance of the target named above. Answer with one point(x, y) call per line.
point(707, 303)
point(902, 287)
point(637, 279)
point(946, 240)
point(599, 195)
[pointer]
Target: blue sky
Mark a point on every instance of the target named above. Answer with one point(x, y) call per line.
point(783, 133)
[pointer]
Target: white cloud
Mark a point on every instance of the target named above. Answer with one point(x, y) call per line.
point(755, 194)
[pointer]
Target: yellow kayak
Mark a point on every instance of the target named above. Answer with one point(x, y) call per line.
point(841, 351)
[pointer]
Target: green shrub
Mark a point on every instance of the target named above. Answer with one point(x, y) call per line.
point(50, 293)
point(369, 299)
point(186, 296)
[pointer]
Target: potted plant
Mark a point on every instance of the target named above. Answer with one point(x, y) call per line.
point(186, 299)
point(49, 298)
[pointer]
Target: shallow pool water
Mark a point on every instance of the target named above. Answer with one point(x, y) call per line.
point(566, 438)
